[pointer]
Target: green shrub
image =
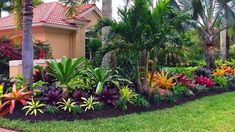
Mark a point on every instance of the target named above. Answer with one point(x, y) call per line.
point(157, 98)
point(188, 71)
point(101, 75)
point(65, 70)
point(180, 90)
point(222, 81)
point(51, 109)
point(141, 101)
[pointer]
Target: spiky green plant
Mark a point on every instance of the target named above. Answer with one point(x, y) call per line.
point(89, 103)
point(33, 107)
point(66, 104)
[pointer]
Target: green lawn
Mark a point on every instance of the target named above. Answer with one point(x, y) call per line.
point(214, 114)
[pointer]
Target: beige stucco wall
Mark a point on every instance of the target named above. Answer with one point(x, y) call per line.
point(78, 39)
point(16, 66)
point(60, 40)
point(38, 33)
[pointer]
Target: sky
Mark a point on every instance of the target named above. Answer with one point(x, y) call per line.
point(116, 4)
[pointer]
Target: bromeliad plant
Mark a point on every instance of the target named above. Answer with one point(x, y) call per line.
point(67, 104)
point(127, 96)
point(186, 81)
point(65, 70)
point(15, 96)
point(33, 107)
point(163, 81)
point(1, 93)
point(102, 75)
point(108, 96)
point(52, 95)
point(203, 80)
point(78, 94)
point(89, 103)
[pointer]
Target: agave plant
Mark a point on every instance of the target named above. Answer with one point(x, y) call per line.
point(102, 75)
point(65, 70)
point(21, 95)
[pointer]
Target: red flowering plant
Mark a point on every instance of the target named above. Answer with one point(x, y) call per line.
point(186, 81)
point(7, 53)
point(203, 80)
point(42, 50)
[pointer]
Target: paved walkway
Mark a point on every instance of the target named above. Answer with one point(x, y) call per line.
point(5, 130)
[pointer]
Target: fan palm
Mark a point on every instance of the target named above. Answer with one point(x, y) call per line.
point(210, 17)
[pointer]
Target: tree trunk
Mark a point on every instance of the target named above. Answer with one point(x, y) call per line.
point(223, 45)
point(210, 51)
point(107, 13)
point(27, 46)
point(0, 13)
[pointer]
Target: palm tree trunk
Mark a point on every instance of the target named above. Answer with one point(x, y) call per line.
point(27, 46)
point(223, 45)
point(0, 13)
point(210, 51)
point(107, 13)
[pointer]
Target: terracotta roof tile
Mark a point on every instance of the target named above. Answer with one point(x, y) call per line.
point(50, 13)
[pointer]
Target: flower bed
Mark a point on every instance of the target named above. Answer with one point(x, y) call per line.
point(73, 89)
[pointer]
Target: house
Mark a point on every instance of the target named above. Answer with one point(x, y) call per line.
point(66, 36)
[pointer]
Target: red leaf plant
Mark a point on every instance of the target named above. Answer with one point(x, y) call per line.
point(208, 82)
point(14, 97)
point(186, 81)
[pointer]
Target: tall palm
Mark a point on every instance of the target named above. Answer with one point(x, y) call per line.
point(210, 17)
point(27, 45)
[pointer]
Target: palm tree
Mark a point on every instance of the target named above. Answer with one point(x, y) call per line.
point(27, 45)
point(210, 17)
point(140, 33)
point(106, 12)
point(5, 6)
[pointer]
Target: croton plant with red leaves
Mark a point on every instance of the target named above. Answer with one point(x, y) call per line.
point(7, 50)
point(186, 81)
point(203, 80)
point(15, 96)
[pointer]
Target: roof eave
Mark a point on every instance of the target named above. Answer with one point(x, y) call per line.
point(42, 24)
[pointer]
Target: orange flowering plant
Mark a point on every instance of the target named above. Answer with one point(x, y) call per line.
point(21, 95)
point(163, 81)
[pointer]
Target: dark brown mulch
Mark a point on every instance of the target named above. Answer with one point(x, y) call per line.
point(109, 111)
